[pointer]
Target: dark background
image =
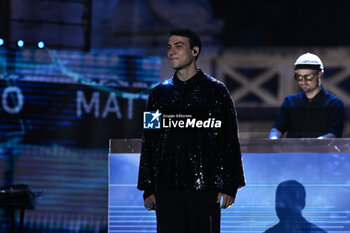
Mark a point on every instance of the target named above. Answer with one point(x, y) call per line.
point(283, 23)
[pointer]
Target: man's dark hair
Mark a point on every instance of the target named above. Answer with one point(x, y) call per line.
point(191, 35)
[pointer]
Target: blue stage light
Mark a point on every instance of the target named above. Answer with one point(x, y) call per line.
point(41, 44)
point(20, 43)
point(2, 41)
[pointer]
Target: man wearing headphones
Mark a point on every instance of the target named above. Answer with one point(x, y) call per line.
point(313, 112)
point(193, 162)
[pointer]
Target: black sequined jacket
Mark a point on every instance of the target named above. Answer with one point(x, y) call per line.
point(192, 158)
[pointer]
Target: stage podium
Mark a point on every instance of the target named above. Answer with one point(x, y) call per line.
point(322, 166)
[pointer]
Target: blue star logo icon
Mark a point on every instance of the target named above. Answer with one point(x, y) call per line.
point(151, 120)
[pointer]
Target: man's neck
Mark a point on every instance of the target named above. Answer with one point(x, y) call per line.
point(310, 95)
point(186, 74)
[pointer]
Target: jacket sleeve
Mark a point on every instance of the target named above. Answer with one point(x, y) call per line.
point(335, 123)
point(232, 166)
point(146, 173)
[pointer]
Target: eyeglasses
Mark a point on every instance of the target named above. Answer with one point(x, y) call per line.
point(307, 77)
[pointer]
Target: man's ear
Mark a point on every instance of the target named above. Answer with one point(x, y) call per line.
point(195, 50)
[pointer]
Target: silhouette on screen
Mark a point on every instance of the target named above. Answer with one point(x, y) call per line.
point(290, 201)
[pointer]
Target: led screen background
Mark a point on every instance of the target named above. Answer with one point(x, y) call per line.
point(67, 97)
point(58, 110)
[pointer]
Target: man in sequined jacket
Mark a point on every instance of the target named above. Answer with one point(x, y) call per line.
point(193, 162)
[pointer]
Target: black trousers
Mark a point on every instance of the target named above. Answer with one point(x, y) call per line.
point(181, 211)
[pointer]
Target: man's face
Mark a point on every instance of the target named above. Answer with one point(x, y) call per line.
point(180, 54)
point(308, 85)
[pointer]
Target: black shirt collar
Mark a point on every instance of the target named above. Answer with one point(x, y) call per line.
point(317, 97)
point(190, 82)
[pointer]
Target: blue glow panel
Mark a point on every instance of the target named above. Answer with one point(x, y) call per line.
point(325, 178)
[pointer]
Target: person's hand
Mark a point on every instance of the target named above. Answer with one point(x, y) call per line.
point(274, 134)
point(151, 198)
point(328, 135)
point(227, 200)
